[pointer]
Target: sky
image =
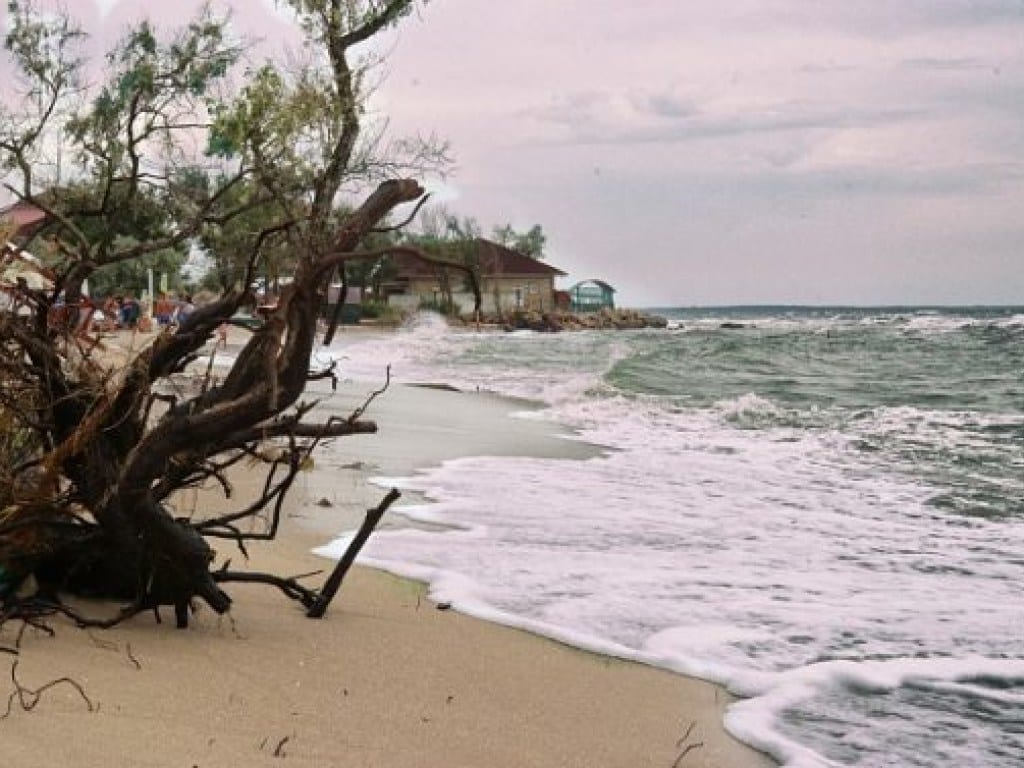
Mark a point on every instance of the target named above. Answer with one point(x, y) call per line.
point(692, 152)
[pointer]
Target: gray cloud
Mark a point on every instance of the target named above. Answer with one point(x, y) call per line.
point(885, 19)
point(948, 64)
point(758, 150)
point(597, 118)
point(669, 105)
point(878, 183)
point(827, 68)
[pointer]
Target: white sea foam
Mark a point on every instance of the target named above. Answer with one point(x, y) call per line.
point(725, 540)
point(405, 351)
point(782, 561)
point(748, 407)
point(929, 321)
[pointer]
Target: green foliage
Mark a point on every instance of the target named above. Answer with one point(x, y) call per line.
point(364, 273)
point(139, 191)
point(150, 86)
point(132, 192)
point(42, 50)
point(295, 126)
point(132, 275)
point(255, 116)
point(230, 245)
point(531, 242)
point(444, 232)
point(374, 309)
point(165, 150)
point(141, 216)
point(347, 15)
point(446, 235)
point(382, 313)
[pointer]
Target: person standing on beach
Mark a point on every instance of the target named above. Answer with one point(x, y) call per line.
point(112, 313)
point(163, 309)
point(185, 308)
point(129, 311)
point(86, 310)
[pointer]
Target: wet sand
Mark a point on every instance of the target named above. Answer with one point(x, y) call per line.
point(386, 679)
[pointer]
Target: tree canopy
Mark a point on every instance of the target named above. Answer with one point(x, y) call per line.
point(530, 242)
point(164, 151)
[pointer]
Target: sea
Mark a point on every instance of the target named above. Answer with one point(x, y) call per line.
point(821, 509)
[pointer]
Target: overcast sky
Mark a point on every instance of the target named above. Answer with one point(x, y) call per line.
point(725, 151)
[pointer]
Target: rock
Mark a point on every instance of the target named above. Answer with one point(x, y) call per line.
point(552, 322)
point(559, 320)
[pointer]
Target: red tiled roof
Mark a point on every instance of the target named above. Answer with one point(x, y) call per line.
point(498, 260)
point(23, 216)
point(495, 261)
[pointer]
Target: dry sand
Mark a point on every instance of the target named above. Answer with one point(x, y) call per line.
point(386, 679)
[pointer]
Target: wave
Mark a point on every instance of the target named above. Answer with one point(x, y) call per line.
point(756, 720)
point(755, 533)
point(749, 409)
point(762, 717)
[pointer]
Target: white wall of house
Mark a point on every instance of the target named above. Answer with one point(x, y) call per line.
point(410, 302)
point(524, 293)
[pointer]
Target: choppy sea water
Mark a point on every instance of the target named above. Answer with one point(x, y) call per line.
point(822, 509)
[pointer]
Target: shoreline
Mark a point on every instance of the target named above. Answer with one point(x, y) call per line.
point(386, 678)
point(533, 438)
point(420, 427)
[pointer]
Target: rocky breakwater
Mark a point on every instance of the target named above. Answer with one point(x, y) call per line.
point(605, 319)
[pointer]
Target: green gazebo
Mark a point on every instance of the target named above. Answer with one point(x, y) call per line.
point(591, 296)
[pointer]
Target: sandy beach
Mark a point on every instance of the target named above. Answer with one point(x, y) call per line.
point(386, 679)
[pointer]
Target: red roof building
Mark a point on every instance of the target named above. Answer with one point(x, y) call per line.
point(509, 281)
point(24, 218)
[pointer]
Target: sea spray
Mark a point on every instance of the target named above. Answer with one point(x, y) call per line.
point(824, 510)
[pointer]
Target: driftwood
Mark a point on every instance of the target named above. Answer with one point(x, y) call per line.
point(91, 458)
point(87, 511)
point(333, 583)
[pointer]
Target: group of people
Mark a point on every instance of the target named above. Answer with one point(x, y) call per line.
point(168, 310)
point(123, 311)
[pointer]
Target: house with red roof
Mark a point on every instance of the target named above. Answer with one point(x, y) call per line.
point(21, 220)
point(509, 281)
point(19, 269)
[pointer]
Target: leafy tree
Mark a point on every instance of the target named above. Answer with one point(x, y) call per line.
point(133, 275)
point(531, 242)
point(125, 143)
point(164, 151)
point(453, 241)
point(229, 246)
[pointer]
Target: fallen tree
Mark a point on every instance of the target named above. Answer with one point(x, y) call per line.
point(93, 456)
